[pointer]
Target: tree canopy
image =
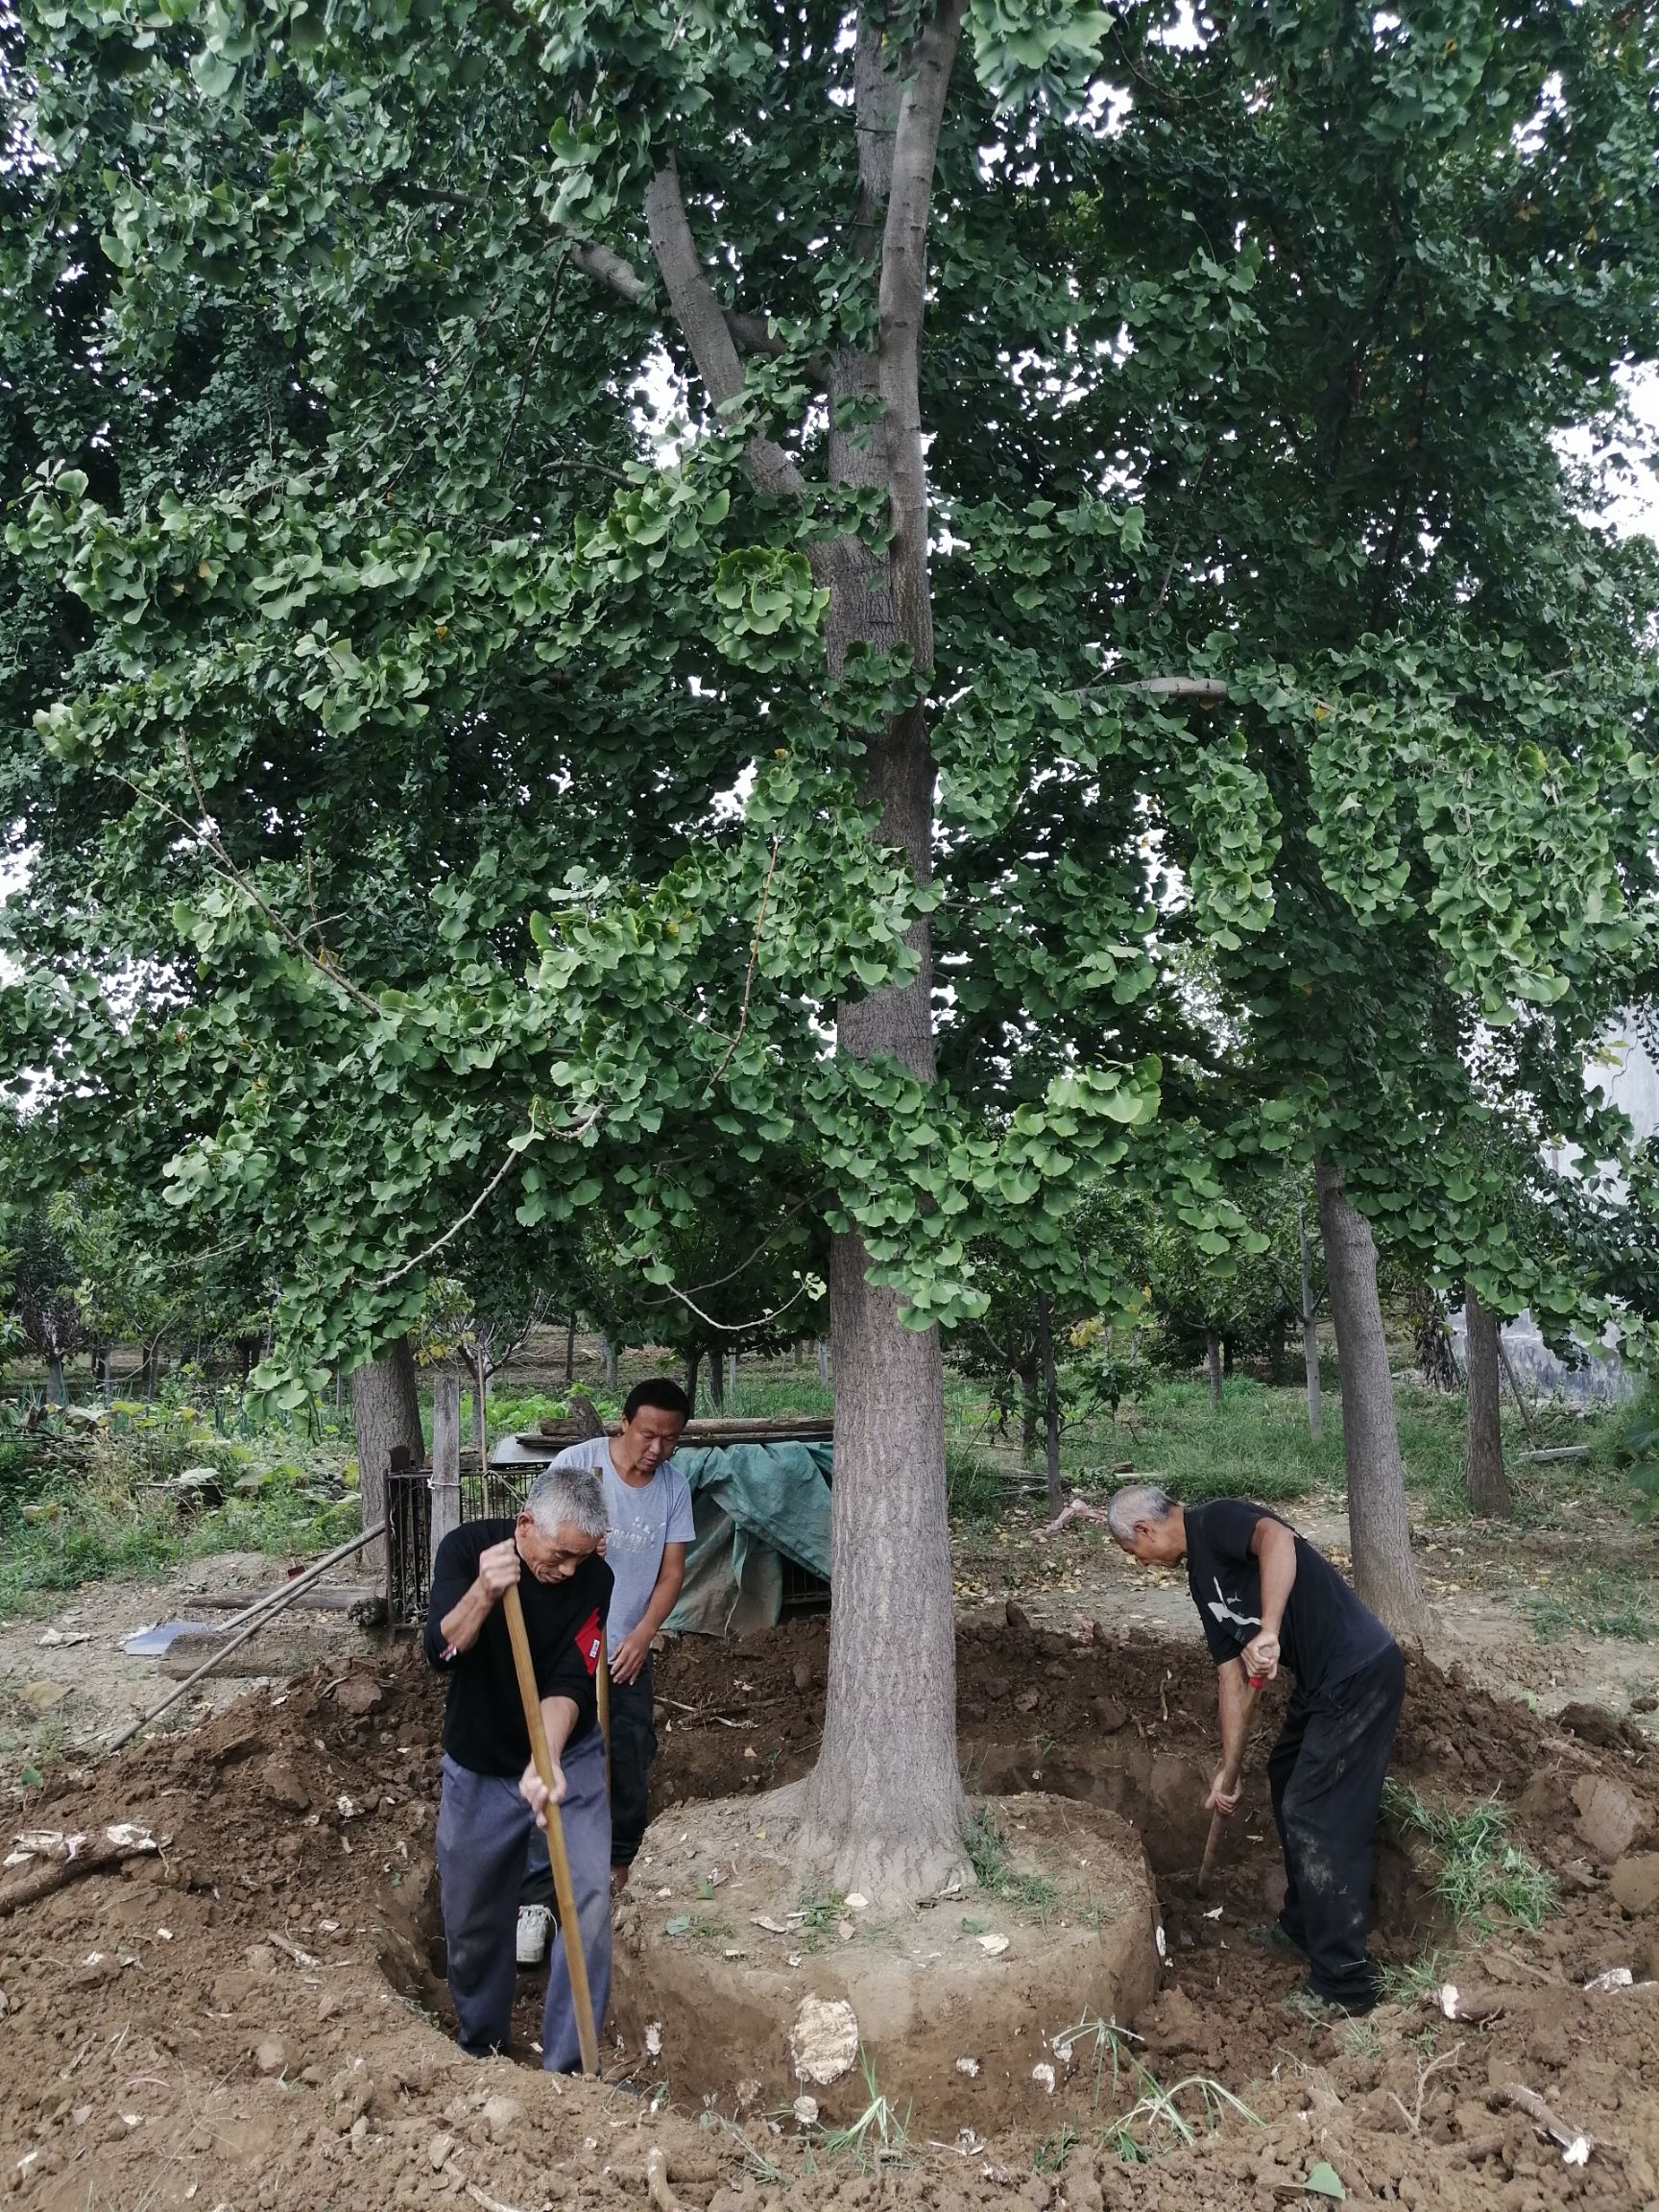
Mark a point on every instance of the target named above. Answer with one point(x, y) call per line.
point(1103, 632)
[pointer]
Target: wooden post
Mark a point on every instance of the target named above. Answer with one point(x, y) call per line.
point(445, 1455)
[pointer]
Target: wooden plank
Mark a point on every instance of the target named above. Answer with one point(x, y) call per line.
point(325, 1597)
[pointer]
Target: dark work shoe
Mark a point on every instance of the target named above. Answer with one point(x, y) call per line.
point(1274, 1936)
point(1313, 2005)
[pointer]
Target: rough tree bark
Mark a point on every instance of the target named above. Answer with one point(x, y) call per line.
point(1212, 1356)
point(883, 1810)
point(1484, 1480)
point(1027, 1374)
point(1380, 1530)
point(445, 1455)
point(693, 1363)
point(385, 1411)
point(1310, 1333)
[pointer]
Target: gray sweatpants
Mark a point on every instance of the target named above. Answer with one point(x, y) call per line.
point(484, 1827)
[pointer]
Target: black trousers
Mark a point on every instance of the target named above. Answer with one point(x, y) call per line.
point(1325, 1773)
point(632, 1747)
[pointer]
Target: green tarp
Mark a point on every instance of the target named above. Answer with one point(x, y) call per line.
point(754, 1506)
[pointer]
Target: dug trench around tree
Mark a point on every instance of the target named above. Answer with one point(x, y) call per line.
point(255, 2015)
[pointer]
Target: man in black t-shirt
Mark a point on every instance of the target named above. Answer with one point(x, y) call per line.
point(1264, 1596)
point(492, 1795)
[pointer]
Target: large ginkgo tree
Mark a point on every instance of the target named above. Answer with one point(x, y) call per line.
point(626, 600)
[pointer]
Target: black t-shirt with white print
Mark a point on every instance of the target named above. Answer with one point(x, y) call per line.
point(1326, 1634)
point(565, 1625)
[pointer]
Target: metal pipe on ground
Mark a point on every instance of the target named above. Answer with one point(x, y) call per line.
point(256, 1618)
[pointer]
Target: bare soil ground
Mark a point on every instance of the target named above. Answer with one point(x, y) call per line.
point(65, 1681)
point(239, 2021)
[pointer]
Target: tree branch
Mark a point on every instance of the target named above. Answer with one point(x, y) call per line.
point(564, 1137)
point(902, 296)
point(704, 325)
point(749, 980)
point(225, 866)
point(610, 270)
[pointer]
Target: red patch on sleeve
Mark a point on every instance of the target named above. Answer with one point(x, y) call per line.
point(589, 1640)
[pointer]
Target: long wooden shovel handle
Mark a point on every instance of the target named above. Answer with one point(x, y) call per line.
point(602, 1683)
point(1230, 1778)
point(564, 1891)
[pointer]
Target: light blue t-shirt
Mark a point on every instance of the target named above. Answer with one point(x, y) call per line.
point(642, 1521)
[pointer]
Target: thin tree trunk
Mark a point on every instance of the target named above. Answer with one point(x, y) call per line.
point(570, 1352)
point(385, 1411)
point(693, 1361)
point(1310, 1333)
point(445, 1455)
point(1379, 1529)
point(608, 1352)
point(1050, 1403)
point(1484, 1480)
point(1509, 1367)
point(1027, 1373)
point(481, 1406)
point(731, 1373)
point(55, 1393)
point(823, 1362)
point(716, 1381)
point(1213, 1353)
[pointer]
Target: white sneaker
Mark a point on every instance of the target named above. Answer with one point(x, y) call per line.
point(535, 1922)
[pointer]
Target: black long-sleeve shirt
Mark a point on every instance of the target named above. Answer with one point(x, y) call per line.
point(565, 1623)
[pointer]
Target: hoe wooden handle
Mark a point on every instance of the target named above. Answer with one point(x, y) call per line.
point(575, 1956)
point(1230, 1774)
point(602, 1683)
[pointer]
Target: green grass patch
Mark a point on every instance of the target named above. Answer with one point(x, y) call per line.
point(84, 1507)
point(1482, 1874)
point(879, 2136)
point(1033, 1895)
point(974, 1488)
point(1409, 1984)
point(1254, 1445)
point(1612, 1597)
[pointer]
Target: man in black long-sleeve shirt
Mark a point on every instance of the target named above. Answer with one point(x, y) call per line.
point(1265, 1594)
point(491, 1794)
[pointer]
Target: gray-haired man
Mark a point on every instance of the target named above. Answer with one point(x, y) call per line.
point(493, 1797)
point(1263, 1594)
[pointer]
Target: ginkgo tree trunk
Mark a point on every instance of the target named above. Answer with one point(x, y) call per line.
point(884, 1804)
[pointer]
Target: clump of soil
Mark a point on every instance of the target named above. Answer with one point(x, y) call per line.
point(239, 2020)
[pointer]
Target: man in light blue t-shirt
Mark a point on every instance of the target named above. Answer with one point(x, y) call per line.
point(651, 1530)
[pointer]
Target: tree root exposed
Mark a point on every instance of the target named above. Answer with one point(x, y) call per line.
point(57, 1873)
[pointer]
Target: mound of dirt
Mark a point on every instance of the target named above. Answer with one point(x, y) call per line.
point(237, 2020)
